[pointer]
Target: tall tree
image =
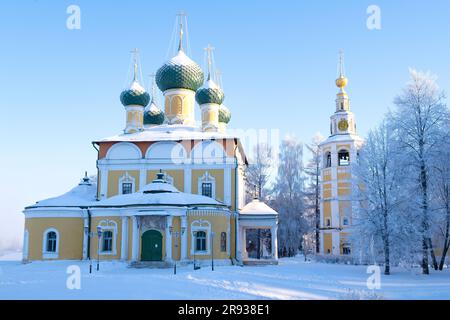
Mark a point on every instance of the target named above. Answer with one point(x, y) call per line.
point(419, 117)
point(380, 193)
point(289, 197)
point(312, 170)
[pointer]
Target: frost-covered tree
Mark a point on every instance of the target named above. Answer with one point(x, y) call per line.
point(312, 170)
point(419, 117)
point(258, 171)
point(440, 190)
point(288, 198)
point(380, 193)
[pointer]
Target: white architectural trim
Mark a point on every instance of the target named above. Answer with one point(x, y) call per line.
point(25, 251)
point(108, 225)
point(135, 240)
point(187, 180)
point(46, 254)
point(118, 145)
point(200, 225)
point(126, 178)
point(207, 178)
point(85, 238)
point(184, 238)
point(124, 244)
point(169, 220)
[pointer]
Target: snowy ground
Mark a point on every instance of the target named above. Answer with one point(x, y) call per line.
point(292, 279)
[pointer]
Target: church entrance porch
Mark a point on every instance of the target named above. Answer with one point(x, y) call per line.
point(151, 248)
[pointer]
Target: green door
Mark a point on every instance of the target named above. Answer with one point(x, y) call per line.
point(151, 246)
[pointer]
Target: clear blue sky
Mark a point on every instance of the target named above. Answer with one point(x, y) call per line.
point(60, 88)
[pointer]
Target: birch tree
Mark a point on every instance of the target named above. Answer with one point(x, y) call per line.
point(419, 116)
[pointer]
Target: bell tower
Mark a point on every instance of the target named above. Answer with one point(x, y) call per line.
point(338, 154)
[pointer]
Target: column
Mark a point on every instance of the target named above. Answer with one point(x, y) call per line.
point(85, 238)
point(188, 180)
point(135, 241)
point(184, 238)
point(142, 179)
point(238, 240)
point(274, 238)
point(168, 239)
point(124, 246)
point(103, 184)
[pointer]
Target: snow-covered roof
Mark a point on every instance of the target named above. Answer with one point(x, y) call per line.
point(348, 137)
point(257, 207)
point(156, 193)
point(83, 195)
point(167, 132)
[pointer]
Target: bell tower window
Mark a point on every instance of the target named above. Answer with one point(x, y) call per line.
point(343, 158)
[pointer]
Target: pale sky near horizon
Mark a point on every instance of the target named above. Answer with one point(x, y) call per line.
point(60, 88)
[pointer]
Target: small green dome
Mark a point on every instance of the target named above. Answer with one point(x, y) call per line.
point(153, 116)
point(224, 114)
point(180, 72)
point(136, 95)
point(210, 93)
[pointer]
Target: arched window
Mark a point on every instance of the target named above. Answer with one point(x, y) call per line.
point(223, 242)
point(343, 158)
point(51, 241)
point(200, 241)
point(107, 241)
point(328, 160)
point(50, 244)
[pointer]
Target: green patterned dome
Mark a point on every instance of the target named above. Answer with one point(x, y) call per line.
point(180, 72)
point(153, 116)
point(224, 114)
point(136, 95)
point(210, 93)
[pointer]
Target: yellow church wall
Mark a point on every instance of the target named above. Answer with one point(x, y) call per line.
point(177, 175)
point(327, 191)
point(113, 180)
point(218, 174)
point(326, 212)
point(176, 242)
point(95, 221)
point(342, 192)
point(70, 237)
point(219, 224)
point(233, 189)
point(327, 243)
point(344, 175)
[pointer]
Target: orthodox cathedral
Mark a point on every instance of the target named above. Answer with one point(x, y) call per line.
point(168, 188)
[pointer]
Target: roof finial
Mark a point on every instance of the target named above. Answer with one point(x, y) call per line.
point(209, 51)
point(135, 53)
point(342, 81)
point(181, 16)
point(341, 64)
point(152, 81)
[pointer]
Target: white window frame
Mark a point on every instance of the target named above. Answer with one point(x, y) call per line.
point(200, 225)
point(46, 254)
point(108, 225)
point(126, 178)
point(207, 178)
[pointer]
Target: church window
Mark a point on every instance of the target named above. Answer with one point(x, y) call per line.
point(343, 158)
point(107, 241)
point(346, 250)
point(127, 188)
point(223, 242)
point(345, 222)
point(50, 244)
point(328, 160)
point(328, 222)
point(126, 184)
point(200, 241)
point(51, 241)
point(207, 189)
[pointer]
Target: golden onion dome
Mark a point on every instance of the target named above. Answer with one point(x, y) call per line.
point(341, 82)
